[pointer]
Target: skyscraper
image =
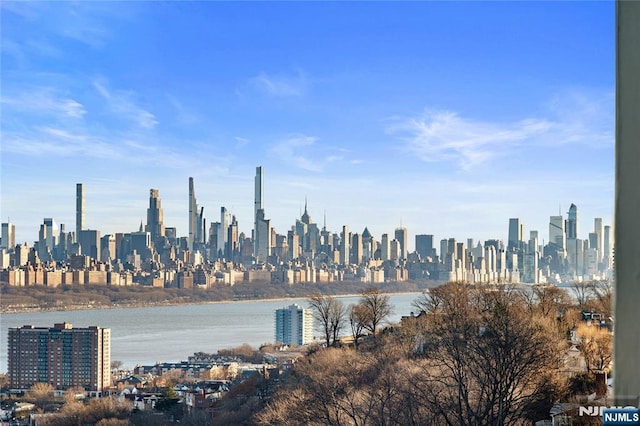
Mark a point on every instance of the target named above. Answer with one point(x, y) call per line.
point(61, 356)
point(155, 225)
point(402, 237)
point(193, 214)
point(598, 229)
point(223, 233)
point(294, 325)
point(257, 206)
point(89, 240)
point(79, 209)
point(557, 235)
point(515, 233)
point(8, 236)
point(197, 225)
point(344, 246)
point(572, 222)
point(424, 246)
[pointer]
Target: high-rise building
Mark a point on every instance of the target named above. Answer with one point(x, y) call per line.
point(515, 233)
point(193, 214)
point(572, 222)
point(599, 230)
point(89, 241)
point(557, 235)
point(8, 236)
point(403, 239)
point(79, 209)
point(61, 356)
point(606, 247)
point(294, 325)
point(155, 225)
point(257, 206)
point(424, 246)
point(344, 246)
point(223, 232)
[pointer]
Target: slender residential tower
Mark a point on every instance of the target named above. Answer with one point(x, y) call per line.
point(193, 214)
point(79, 209)
point(257, 206)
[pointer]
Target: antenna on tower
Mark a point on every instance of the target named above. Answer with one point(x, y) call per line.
point(325, 219)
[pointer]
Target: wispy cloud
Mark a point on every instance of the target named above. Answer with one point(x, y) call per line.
point(301, 151)
point(280, 85)
point(437, 136)
point(122, 103)
point(446, 136)
point(45, 100)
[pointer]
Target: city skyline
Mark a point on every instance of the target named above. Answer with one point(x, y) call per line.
point(445, 118)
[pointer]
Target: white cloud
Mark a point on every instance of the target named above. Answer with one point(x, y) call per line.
point(123, 105)
point(294, 149)
point(45, 100)
point(446, 136)
point(280, 85)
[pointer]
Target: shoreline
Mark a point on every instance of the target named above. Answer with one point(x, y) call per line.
point(35, 309)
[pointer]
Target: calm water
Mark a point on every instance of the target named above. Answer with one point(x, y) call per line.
point(172, 333)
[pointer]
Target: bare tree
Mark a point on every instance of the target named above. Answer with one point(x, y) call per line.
point(485, 359)
point(582, 291)
point(603, 295)
point(551, 300)
point(378, 307)
point(330, 314)
point(358, 317)
point(596, 346)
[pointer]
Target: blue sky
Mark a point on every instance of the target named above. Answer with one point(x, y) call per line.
point(446, 117)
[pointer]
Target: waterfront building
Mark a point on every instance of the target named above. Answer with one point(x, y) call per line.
point(294, 325)
point(61, 356)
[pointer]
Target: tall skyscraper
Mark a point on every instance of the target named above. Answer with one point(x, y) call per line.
point(61, 356)
point(344, 246)
point(606, 247)
point(557, 235)
point(197, 224)
point(257, 206)
point(572, 222)
point(223, 233)
point(294, 325)
point(424, 246)
point(155, 225)
point(515, 233)
point(89, 240)
point(80, 224)
point(403, 239)
point(599, 230)
point(8, 236)
point(193, 214)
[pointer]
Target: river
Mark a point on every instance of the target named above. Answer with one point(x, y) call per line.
point(172, 333)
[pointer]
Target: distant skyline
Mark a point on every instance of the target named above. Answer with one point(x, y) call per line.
point(446, 117)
